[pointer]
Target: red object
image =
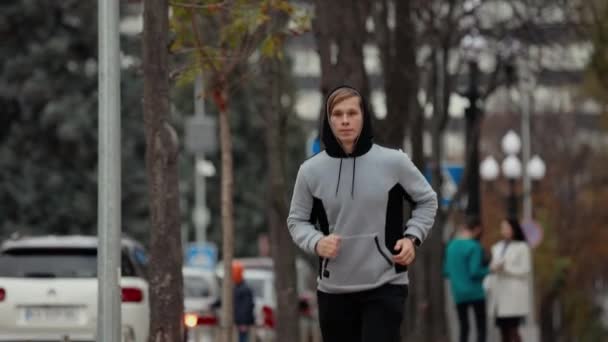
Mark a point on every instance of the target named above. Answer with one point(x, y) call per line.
point(237, 272)
point(193, 320)
point(2, 294)
point(304, 306)
point(207, 320)
point(268, 315)
point(132, 295)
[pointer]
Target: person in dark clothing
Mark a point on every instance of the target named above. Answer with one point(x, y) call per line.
point(243, 302)
point(347, 208)
point(464, 266)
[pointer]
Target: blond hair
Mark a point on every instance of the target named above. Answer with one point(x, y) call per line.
point(340, 95)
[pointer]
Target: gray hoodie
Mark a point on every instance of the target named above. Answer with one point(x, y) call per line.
point(359, 197)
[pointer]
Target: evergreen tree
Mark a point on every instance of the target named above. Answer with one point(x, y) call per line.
point(48, 132)
point(48, 99)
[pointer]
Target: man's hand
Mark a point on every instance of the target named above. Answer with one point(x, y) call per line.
point(328, 246)
point(407, 252)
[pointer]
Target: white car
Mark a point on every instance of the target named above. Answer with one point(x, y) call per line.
point(261, 282)
point(201, 292)
point(48, 289)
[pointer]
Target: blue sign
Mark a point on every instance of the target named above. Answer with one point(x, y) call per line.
point(313, 144)
point(452, 176)
point(201, 255)
point(316, 146)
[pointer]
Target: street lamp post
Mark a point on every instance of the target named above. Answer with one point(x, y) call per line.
point(472, 45)
point(513, 166)
point(200, 138)
point(512, 169)
point(473, 116)
point(534, 170)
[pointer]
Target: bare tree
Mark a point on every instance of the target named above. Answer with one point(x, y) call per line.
point(166, 284)
point(398, 46)
point(282, 247)
point(339, 28)
point(441, 32)
point(220, 36)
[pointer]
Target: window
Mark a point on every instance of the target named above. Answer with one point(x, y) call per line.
point(55, 263)
point(196, 287)
point(257, 286)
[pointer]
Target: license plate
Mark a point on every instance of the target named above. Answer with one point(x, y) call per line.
point(51, 315)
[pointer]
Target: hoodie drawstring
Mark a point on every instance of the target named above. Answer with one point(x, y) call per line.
point(339, 174)
point(352, 185)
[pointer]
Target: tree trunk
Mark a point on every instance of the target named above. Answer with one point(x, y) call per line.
point(547, 312)
point(339, 28)
point(437, 318)
point(418, 288)
point(220, 97)
point(166, 284)
point(282, 247)
point(398, 56)
point(417, 136)
point(401, 82)
point(427, 298)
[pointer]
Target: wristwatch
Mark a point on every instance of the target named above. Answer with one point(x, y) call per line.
point(414, 239)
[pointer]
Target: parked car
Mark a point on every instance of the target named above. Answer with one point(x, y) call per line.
point(48, 289)
point(201, 293)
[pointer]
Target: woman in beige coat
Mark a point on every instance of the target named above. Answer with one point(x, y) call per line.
point(510, 284)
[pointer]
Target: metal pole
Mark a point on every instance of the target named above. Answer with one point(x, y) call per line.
point(109, 192)
point(472, 113)
point(527, 90)
point(201, 213)
point(512, 201)
point(525, 142)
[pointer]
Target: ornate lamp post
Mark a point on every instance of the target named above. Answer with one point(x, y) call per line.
point(512, 169)
point(472, 45)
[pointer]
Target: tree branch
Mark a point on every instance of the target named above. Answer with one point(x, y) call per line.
point(203, 57)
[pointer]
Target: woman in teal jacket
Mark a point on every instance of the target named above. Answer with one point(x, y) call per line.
point(465, 268)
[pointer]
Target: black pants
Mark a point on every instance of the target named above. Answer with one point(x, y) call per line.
point(479, 308)
point(509, 328)
point(366, 316)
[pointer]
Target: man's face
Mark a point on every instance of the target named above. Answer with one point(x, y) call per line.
point(346, 120)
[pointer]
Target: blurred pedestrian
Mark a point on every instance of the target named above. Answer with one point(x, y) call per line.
point(243, 302)
point(244, 316)
point(510, 284)
point(464, 267)
point(347, 208)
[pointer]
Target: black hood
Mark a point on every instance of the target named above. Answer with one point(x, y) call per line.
point(365, 141)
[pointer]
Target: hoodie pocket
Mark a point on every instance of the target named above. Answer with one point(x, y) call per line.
point(360, 260)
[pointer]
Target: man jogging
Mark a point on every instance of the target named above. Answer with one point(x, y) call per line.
point(347, 208)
